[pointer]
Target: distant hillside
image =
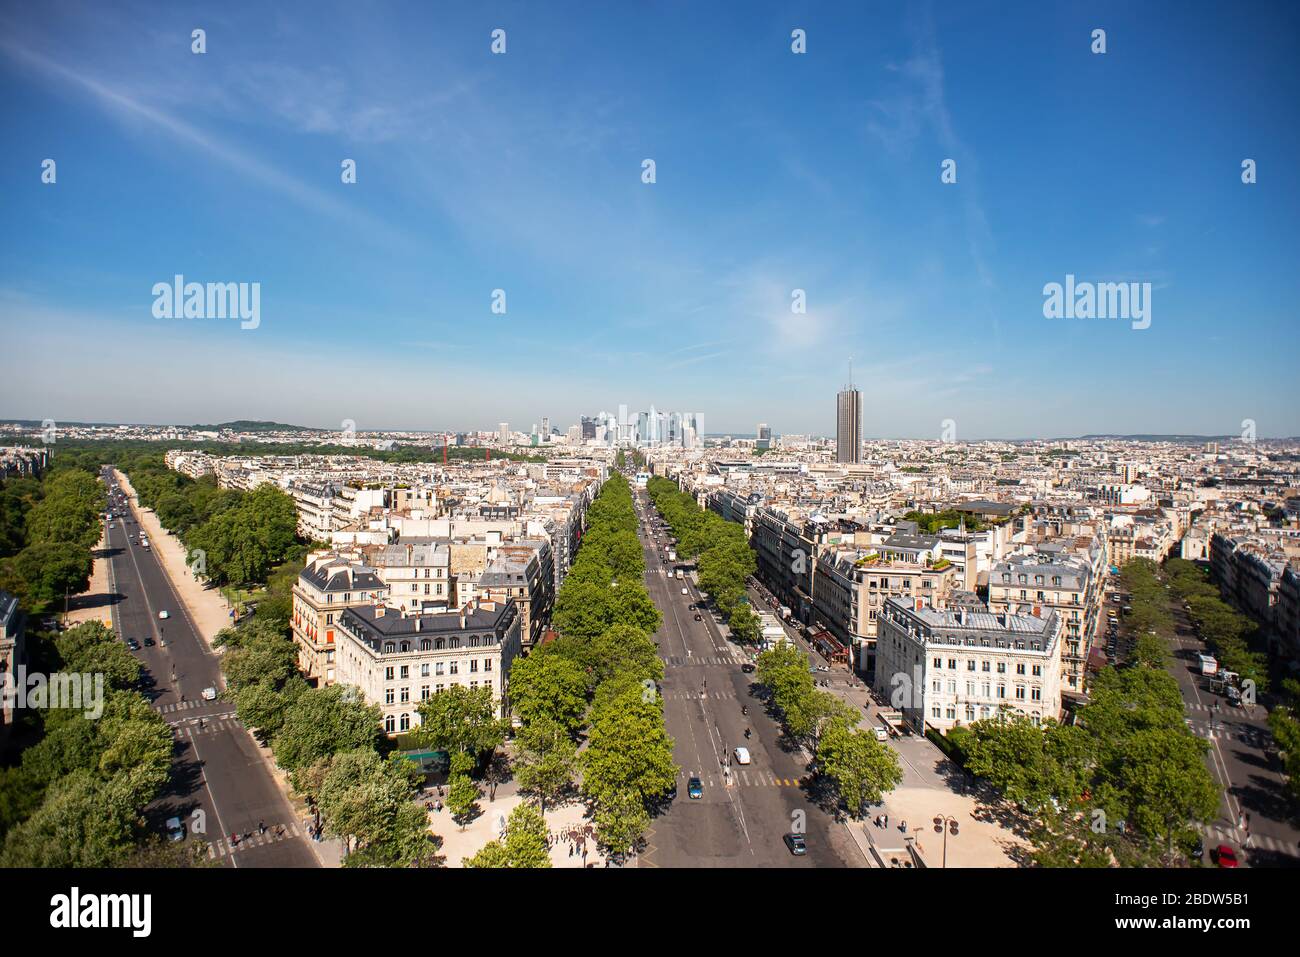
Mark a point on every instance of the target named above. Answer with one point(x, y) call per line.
point(1165, 438)
point(249, 425)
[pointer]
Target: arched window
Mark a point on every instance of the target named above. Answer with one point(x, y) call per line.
point(388, 724)
point(473, 641)
point(406, 646)
point(389, 647)
point(406, 722)
point(425, 644)
point(455, 642)
point(438, 644)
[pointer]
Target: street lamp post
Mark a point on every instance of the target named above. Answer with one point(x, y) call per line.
point(945, 826)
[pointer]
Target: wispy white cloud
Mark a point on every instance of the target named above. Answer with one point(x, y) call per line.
point(242, 161)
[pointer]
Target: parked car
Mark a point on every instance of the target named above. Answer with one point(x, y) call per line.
point(881, 734)
point(796, 844)
point(695, 789)
point(209, 694)
point(684, 591)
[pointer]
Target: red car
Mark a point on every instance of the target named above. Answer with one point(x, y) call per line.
point(1225, 856)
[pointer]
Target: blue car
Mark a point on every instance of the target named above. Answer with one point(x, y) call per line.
point(695, 789)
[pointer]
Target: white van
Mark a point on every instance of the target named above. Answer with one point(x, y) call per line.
point(742, 755)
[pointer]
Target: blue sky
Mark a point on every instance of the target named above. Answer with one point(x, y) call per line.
point(775, 172)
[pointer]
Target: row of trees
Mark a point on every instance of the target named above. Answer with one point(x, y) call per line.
point(48, 528)
point(858, 768)
point(588, 702)
point(77, 796)
point(241, 535)
point(1224, 629)
point(723, 556)
point(1127, 782)
point(1228, 633)
point(330, 744)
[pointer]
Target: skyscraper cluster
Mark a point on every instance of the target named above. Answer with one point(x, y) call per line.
point(650, 428)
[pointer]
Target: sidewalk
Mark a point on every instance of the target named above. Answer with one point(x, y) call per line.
point(96, 602)
point(978, 842)
point(458, 844)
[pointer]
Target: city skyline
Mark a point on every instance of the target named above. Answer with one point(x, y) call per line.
point(810, 180)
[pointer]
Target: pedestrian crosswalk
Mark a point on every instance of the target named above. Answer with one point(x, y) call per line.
point(1221, 733)
point(720, 695)
point(216, 724)
point(224, 847)
point(749, 777)
point(179, 706)
point(1216, 834)
point(680, 661)
point(1230, 710)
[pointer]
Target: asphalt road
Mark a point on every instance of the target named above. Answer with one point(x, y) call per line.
point(1253, 783)
point(216, 768)
point(704, 689)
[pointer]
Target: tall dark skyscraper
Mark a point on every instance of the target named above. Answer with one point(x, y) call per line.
point(848, 425)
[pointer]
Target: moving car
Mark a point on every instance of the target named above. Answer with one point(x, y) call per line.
point(133, 644)
point(747, 668)
point(695, 789)
point(209, 694)
point(148, 642)
point(164, 614)
point(684, 591)
point(1225, 856)
point(175, 829)
point(742, 755)
point(881, 733)
point(699, 617)
point(796, 844)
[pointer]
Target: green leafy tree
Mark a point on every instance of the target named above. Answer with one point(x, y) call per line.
point(368, 801)
point(744, 624)
point(462, 798)
point(861, 769)
point(525, 843)
point(460, 719)
point(545, 761)
point(548, 685)
point(621, 820)
point(321, 722)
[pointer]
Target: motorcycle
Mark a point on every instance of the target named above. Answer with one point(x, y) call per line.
point(744, 709)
